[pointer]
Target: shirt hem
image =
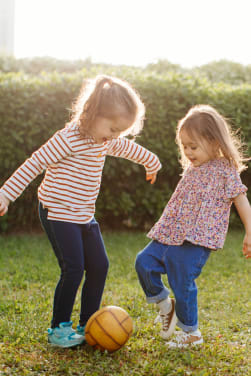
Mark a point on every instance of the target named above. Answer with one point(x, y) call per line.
point(185, 239)
point(66, 219)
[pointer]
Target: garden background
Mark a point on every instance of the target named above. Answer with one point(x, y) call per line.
point(35, 101)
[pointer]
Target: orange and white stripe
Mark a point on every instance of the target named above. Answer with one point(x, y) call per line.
point(73, 172)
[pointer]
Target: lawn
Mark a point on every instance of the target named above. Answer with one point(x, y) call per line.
point(28, 275)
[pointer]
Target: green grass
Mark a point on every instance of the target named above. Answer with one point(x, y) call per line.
point(28, 275)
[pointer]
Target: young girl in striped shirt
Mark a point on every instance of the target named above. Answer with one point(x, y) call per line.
point(107, 110)
point(195, 221)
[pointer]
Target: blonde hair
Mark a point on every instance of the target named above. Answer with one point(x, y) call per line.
point(110, 98)
point(205, 125)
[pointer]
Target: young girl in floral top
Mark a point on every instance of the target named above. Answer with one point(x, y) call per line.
point(195, 221)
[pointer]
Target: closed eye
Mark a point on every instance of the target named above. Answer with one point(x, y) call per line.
point(191, 147)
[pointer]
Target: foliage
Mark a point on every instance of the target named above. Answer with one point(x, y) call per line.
point(215, 71)
point(37, 65)
point(32, 108)
point(29, 275)
point(225, 71)
point(163, 66)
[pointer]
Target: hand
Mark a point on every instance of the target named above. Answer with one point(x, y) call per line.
point(4, 203)
point(151, 177)
point(247, 246)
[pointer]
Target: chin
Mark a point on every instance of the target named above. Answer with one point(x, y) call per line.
point(196, 163)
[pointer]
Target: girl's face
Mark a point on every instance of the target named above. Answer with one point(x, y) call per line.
point(193, 150)
point(103, 129)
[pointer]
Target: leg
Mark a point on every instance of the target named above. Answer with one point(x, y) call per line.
point(183, 265)
point(66, 240)
point(96, 267)
point(149, 266)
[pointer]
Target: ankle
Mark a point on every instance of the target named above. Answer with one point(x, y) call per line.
point(195, 333)
point(165, 306)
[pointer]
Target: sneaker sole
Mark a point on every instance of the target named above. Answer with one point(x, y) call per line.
point(182, 345)
point(66, 346)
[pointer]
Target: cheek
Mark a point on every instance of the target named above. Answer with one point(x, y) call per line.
point(205, 156)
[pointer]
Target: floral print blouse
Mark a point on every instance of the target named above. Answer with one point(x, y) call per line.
point(199, 208)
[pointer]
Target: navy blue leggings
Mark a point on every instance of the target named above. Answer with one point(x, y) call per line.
point(78, 248)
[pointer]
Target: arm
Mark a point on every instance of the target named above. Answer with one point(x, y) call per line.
point(244, 210)
point(124, 148)
point(51, 152)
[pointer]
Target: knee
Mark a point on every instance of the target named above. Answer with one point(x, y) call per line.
point(105, 266)
point(139, 263)
point(73, 273)
point(101, 267)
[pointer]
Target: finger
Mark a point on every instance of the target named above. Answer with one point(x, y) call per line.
point(3, 210)
point(152, 178)
point(246, 251)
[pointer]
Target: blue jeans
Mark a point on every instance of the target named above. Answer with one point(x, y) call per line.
point(182, 264)
point(78, 248)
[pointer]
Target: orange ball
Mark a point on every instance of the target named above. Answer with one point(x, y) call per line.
point(108, 329)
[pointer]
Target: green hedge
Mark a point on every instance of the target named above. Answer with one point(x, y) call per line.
point(32, 108)
point(215, 71)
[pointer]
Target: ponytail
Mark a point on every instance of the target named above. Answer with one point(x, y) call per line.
point(110, 98)
point(92, 104)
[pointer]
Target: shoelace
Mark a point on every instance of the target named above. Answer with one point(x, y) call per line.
point(183, 337)
point(165, 319)
point(66, 332)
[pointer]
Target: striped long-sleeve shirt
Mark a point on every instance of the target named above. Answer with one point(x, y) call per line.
point(73, 172)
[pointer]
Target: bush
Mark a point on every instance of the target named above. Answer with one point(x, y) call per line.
point(225, 71)
point(32, 108)
point(216, 71)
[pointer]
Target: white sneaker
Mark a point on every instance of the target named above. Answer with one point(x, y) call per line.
point(157, 319)
point(184, 339)
point(168, 321)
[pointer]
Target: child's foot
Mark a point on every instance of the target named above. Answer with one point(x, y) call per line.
point(183, 339)
point(168, 320)
point(64, 336)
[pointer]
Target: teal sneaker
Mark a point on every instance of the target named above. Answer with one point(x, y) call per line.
point(80, 330)
point(64, 336)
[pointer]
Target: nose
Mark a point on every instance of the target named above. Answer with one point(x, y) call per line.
point(189, 155)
